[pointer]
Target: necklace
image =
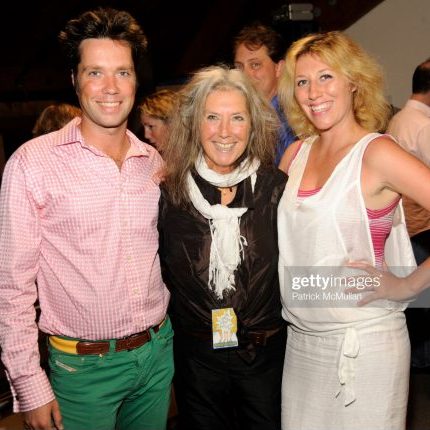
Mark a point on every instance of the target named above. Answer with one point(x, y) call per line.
point(225, 191)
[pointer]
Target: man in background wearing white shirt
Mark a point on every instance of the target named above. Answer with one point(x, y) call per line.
point(411, 127)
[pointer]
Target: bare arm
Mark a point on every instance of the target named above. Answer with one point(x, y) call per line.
point(393, 171)
point(390, 286)
point(288, 156)
point(388, 168)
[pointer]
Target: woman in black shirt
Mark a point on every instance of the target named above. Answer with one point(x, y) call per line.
point(218, 248)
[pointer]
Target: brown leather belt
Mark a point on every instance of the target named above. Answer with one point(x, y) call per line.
point(125, 344)
point(259, 338)
point(84, 347)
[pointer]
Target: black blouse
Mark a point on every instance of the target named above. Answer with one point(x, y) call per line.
point(185, 242)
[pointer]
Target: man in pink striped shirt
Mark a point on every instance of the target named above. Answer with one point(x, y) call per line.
point(78, 231)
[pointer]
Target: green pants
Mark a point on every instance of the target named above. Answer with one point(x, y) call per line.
point(127, 390)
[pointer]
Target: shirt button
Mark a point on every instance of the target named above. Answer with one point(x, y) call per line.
point(136, 291)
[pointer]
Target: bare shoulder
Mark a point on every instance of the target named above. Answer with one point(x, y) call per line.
point(383, 142)
point(384, 149)
point(388, 165)
point(289, 155)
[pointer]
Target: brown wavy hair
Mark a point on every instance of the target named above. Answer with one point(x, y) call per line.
point(54, 117)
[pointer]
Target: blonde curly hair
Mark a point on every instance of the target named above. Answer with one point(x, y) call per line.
point(342, 54)
point(159, 104)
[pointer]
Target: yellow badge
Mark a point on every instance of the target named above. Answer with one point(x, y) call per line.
point(224, 328)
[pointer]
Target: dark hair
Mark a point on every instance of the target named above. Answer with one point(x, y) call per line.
point(256, 35)
point(421, 78)
point(54, 117)
point(102, 23)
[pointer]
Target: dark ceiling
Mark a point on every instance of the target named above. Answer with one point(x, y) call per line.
point(183, 36)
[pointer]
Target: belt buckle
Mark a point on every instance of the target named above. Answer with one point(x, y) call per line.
point(129, 343)
point(126, 343)
point(130, 339)
point(259, 338)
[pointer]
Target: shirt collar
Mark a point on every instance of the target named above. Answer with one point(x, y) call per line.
point(71, 134)
point(415, 104)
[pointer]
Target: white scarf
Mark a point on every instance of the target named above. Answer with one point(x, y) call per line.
point(227, 243)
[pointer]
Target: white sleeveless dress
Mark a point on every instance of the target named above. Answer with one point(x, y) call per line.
point(346, 367)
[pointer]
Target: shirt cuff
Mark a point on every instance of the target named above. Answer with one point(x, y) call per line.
point(31, 393)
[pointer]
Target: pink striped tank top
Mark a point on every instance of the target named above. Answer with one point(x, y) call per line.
point(380, 222)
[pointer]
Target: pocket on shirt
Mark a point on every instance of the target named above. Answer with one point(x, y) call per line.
point(143, 205)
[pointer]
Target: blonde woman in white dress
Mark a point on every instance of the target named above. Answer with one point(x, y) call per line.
point(347, 366)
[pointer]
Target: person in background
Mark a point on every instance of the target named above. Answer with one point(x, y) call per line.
point(54, 117)
point(218, 249)
point(78, 215)
point(411, 128)
point(346, 367)
point(259, 52)
point(155, 113)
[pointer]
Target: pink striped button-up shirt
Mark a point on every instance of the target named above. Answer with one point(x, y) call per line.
point(87, 233)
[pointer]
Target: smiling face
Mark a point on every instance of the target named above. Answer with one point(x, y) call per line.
point(324, 95)
point(105, 82)
point(225, 129)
